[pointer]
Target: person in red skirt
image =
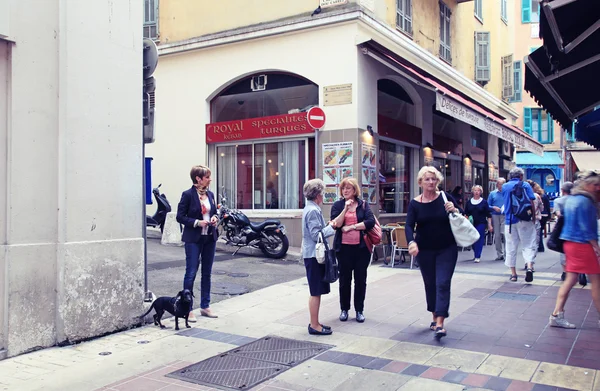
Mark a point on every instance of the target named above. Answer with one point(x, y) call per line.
point(580, 233)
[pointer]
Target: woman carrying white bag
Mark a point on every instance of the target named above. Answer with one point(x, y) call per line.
point(439, 228)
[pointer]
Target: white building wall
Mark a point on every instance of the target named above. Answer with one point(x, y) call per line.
point(187, 82)
point(71, 208)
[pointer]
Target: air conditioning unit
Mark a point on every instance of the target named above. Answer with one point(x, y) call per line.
point(258, 83)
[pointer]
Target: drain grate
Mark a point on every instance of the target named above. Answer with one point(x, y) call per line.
point(246, 366)
point(513, 296)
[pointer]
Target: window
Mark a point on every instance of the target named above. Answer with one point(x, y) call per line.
point(394, 166)
point(264, 175)
point(482, 57)
point(530, 11)
point(404, 16)
point(479, 10)
point(508, 77)
point(571, 134)
point(503, 11)
point(151, 19)
point(538, 124)
point(517, 82)
point(445, 52)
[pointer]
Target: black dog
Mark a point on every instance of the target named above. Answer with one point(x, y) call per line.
point(179, 306)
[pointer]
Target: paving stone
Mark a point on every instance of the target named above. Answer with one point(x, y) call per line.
point(344, 358)
point(415, 370)
point(455, 377)
point(328, 355)
point(475, 380)
point(422, 384)
point(455, 359)
point(434, 373)
point(374, 381)
point(564, 376)
point(361, 361)
point(411, 352)
point(369, 346)
point(377, 363)
point(508, 367)
point(498, 384)
point(518, 385)
point(395, 366)
point(542, 387)
point(319, 374)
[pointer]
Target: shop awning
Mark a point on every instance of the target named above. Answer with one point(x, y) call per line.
point(550, 158)
point(586, 160)
point(561, 76)
point(454, 104)
point(587, 129)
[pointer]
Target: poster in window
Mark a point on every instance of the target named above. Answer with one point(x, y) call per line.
point(330, 176)
point(346, 172)
point(365, 192)
point(372, 176)
point(368, 155)
point(366, 176)
point(329, 155)
point(330, 194)
point(345, 153)
point(372, 194)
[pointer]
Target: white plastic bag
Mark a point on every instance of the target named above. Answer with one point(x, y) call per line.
point(464, 232)
point(320, 248)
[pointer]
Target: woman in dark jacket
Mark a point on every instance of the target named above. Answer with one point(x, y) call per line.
point(478, 208)
point(352, 217)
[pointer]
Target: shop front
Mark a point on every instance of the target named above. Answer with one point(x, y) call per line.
point(545, 170)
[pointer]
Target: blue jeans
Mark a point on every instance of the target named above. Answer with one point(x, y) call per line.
point(194, 252)
point(478, 245)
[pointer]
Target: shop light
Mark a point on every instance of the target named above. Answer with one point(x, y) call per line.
point(243, 162)
point(222, 154)
point(393, 168)
point(467, 156)
point(370, 129)
point(269, 161)
point(277, 173)
point(428, 145)
point(281, 164)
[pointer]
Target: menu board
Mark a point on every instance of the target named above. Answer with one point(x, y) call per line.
point(337, 165)
point(369, 174)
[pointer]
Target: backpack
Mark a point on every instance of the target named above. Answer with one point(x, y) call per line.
point(520, 204)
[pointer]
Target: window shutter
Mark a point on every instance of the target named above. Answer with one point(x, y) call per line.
point(517, 82)
point(527, 120)
point(507, 77)
point(550, 129)
point(525, 11)
point(482, 56)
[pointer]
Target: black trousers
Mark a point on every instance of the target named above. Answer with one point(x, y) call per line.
point(437, 268)
point(352, 258)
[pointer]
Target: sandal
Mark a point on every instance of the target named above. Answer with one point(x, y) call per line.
point(432, 326)
point(513, 278)
point(439, 333)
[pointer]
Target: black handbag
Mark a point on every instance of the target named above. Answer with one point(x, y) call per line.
point(555, 243)
point(332, 272)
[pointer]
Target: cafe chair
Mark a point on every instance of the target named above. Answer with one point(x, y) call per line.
point(386, 242)
point(400, 245)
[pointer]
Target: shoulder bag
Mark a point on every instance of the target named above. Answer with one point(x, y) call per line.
point(320, 248)
point(331, 266)
point(373, 236)
point(464, 232)
point(555, 243)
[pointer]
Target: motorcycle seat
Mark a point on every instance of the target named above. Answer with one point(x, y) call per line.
point(260, 226)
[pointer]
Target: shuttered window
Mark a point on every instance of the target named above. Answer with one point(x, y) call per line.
point(404, 16)
point(517, 96)
point(479, 9)
point(508, 77)
point(445, 51)
point(538, 124)
point(530, 11)
point(482, 57)
point(503, 11)
point(151, 19)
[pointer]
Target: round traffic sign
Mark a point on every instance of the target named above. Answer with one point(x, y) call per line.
point(315, 117)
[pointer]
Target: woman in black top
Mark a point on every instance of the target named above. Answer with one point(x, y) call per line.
point(434, 244)
point(478, 208)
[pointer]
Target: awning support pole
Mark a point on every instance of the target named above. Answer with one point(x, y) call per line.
point(572, 68)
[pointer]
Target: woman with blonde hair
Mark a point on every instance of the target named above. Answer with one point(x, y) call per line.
point(478, 208)
point(433, 244)
point(580, 235)
point(352, 217)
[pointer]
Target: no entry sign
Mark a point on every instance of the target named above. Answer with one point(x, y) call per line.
point(315, 117)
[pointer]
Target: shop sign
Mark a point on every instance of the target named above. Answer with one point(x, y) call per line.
point(340, 94)
point(461, 112)
point(331, 3)
point(253, 128)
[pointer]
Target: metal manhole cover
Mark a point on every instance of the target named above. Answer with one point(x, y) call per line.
point(238, 274)
point(249, 365)
point(226, 288)
point(513, 296)
point(219, 272)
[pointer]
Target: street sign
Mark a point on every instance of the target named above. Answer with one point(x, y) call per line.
point(315, 117)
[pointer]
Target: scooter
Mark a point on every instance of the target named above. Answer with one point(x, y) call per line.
point(268, 236)
point(163, 207)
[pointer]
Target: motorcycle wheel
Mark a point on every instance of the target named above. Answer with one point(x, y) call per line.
point(277, 246)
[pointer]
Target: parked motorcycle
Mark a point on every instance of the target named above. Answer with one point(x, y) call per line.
point(268, 236)
point(163, 207)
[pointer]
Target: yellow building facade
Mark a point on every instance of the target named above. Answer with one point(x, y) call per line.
point(402, 83)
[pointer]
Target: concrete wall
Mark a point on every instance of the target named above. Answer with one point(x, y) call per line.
point(72, 246)
point(4, 69)
point(187, 82)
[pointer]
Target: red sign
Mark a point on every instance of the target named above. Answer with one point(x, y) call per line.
point(315, 117)
point(253, 128)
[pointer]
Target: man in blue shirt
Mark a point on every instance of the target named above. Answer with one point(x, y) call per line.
point(496, 202)
point(517, 231)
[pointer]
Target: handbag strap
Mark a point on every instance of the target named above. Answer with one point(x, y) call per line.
point(443, 194)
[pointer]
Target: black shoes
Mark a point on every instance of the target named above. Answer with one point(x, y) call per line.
point(529, 275)
point(582, 280)
point(360, 317)
point(344, 316)
point(563, 276)
point(324, 331)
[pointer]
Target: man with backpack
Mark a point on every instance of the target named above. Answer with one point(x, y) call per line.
point(520, 223)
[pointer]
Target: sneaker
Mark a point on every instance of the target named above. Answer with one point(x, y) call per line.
point(563, 276)
point(529, 275)
point(582, 280)
point(477, 260)
point(500, 258)
point(560, 321)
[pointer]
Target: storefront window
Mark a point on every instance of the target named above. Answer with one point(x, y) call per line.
point(263, 175)
point(394, 178)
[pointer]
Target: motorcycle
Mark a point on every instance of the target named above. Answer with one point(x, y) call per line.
point(163, 207)
point(268, 236)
